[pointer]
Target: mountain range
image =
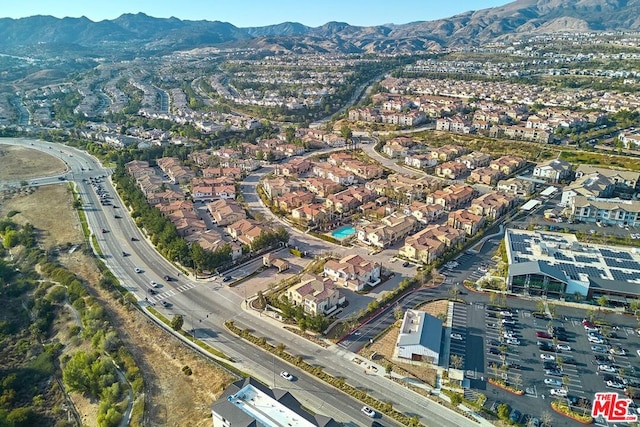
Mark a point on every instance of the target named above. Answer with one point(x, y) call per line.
point(141, 33)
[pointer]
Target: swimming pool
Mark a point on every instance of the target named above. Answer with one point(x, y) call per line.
point(343, 232)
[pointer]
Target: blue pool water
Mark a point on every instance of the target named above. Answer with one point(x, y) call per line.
point(343, 232)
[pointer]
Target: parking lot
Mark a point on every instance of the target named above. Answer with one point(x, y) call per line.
point(549, 359)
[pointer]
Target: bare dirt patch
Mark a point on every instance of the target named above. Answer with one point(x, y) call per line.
point(172, 398)
point(385, 346)
point(17, 163)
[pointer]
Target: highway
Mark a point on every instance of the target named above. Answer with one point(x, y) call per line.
point(205, 306)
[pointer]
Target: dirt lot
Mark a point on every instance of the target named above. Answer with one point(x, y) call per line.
point(18, 163)
point(173, 399)
point(385, 345)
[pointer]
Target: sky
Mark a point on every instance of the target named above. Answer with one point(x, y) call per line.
point(255, 13)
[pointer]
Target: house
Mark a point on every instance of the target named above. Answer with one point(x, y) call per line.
point(452, 197)
point(464, 220)
point(270, 260)
point(475, 160)
point(553, 171)
point(317, 295)
point(508, 164)
point(606, 211)
point(592, 185)
point(451, 170)
point(353, 272)
point(225, 212)
point(420, 337)
point(424, 212)
point(623, 179)
point(429, 244)
point(420, 161)
point(388, 231)
point(492, 205)
point(520, 188)
point(310, 214)
point(485, 175)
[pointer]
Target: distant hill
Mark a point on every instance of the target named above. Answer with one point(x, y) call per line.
point(141, 33)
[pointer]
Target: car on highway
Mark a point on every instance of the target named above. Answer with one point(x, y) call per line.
point(154, 284)
point(560, 392)
point(117, 216)
point(553, 382)
point(368, 411)
point(153, 291)
point(104, 230)
point(405, 264)
point(286, 375)
point(455, 336)
point(167, 278)
point(164, 303)
point(137, 270)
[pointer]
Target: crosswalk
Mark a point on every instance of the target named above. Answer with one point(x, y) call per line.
point(164, 295)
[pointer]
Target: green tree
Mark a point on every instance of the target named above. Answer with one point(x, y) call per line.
point(176, 322)
point(456, 399)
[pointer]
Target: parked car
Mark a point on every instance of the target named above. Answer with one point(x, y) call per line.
point(615, 384)
point(493, 350)
point(560, 392)
point(553, 382)
point(513, 341)
point(553, 372)
point(606, 368)
point(595, 340)
point(515, 416)
point(456, 337)
point(493, 342)
point(226, 278)
point(599, 348)
point(546, 356)
point(541, 334)
point(564, 347)
point(508, 322)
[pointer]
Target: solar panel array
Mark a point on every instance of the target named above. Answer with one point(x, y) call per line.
point(554, 238)
point(585, 259)
point(607, 253)
point(521, 247)
point(561, 257)
point(574, 271)
point(630, 265)
point(624, 276)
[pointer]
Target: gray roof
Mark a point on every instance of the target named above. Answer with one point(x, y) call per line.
point(428, 335)
point(237, 417)
point(537, 267)
point(616, 286)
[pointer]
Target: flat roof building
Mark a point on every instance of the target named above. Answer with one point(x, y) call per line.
point(557, 264)
point(248, 403)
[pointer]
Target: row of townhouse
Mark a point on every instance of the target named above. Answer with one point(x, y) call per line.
point(453, 197)
point(402, 185)
point(224, 212)
point(431, 243)
point(606, 211)
point(553, 171)
point(387, 231)
point(497, 169)
point(375, 115)
point(358, 167)
point(630, 138)
point(213, 240)
point(174, 169)
point(209, 189)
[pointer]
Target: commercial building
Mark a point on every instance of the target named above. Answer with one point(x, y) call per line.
point(248, 403)
point(420, 337)
point(557, 265)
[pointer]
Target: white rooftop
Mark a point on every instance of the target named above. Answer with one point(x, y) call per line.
point(264, 409)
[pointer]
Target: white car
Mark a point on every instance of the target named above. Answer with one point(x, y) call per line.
point(606, 368)
point(509, 335)
point(596, 340)
point(565, 347)
point(590, 328)
point(506, 314)
point(560, 392)
point(638, 351)
point(513, 341)
point(508, 322)
point(368, 411)
point(456, 337)
point(137, 270)
point(553, 382)
point(614, 384)
point(545, 356)
point(154, 284)
point(286, 375)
